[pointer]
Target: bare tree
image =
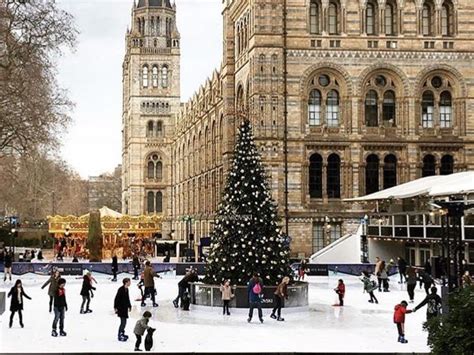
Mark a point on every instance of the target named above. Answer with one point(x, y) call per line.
point(37, 185)
point(32, 106)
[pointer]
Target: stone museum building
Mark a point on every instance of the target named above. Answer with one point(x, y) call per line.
point(346, 98)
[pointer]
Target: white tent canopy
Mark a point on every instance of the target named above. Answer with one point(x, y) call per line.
point(107, 212)
point(438, 185)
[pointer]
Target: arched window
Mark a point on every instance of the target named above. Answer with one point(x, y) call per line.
point(155, 76)
point(159, 202)
point(372, 174)
point(447, 23)
point(159, 171)
point(314, 16)
point(149, 132)
point(332, 109)
point(391, 18)
point(164, 76)
point(371, 109)
point(427, 109)
point(150, 202)
point(333, 18)
point(151, 170)
point(445, 110)
point(427, 19)
point(334, 176)
point(371, 18)
point(145, 76)
point(390, 171)
point(159, 129)
point(314, 108)
point(316, 176)
point(389, 110)
point(237, 42)
point(429, 166)
point(447, 165)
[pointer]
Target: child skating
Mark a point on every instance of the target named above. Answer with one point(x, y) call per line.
point(140, 328)
point(341, 291)
point(399, 320)
point(369, 286)
point(227, 295)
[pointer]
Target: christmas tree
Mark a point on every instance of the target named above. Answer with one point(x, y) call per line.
point(246, 237)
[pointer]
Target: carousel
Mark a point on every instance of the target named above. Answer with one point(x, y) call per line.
point(122, 235)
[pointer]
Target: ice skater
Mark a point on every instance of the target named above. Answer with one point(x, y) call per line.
point(254, 291)
point(149, 282)
point(426, 280)
point(411, 283)
point(433, 302)
point(302, 270)
point(140, 327)
point(281, 293)
point(402, 268)
point(399, 320)
point(369, 286)
point(60, 308)
point(227, 295)
point(7, 266)
point(183, 285)
point(17, 293)
point(384, 276)
point(136, 266)
point(122, 307)
point(341, 291)
point(53, 286)
point(114, 267)
point(86, 293)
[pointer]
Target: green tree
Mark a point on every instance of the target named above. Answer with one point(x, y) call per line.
point(452, 333)
point(246, 237)
point(94, 240)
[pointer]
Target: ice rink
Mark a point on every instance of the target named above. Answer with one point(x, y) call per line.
point(359, 326)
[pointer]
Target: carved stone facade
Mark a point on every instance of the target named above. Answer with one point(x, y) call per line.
point(361, 95)
point(151, 97)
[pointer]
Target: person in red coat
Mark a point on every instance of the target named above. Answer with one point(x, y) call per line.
point(399, 320)
point(341, 291)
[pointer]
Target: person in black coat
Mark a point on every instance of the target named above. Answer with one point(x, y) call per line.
point(60, 308)
point(402, 269)
point(183, 285)
point(7, 266)
point(114, 267)
point(434, 302)
point(17, 293)
point(136, 266)
point(122, 306)
point(86, 292)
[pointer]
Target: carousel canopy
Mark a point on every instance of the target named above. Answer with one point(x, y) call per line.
point(107, 212)
point(438, 185)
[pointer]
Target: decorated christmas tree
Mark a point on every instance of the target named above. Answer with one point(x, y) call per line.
point(246, 237)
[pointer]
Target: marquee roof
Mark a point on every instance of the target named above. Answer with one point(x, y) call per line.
point(438, 185)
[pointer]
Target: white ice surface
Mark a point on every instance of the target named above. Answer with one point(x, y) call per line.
point(359, 326)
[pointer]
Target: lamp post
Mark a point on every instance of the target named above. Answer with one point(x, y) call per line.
point(13, 231)
point(189, 235)
point(364, 244)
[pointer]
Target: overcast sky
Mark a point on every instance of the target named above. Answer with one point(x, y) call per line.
point(93, 74)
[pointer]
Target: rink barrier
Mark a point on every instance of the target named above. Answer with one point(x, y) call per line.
point(2, 302)
point(334, 269)
point(210, 296)
point(79, 268)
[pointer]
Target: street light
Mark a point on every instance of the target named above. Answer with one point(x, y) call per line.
point(364, 244)
point(13, 231)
